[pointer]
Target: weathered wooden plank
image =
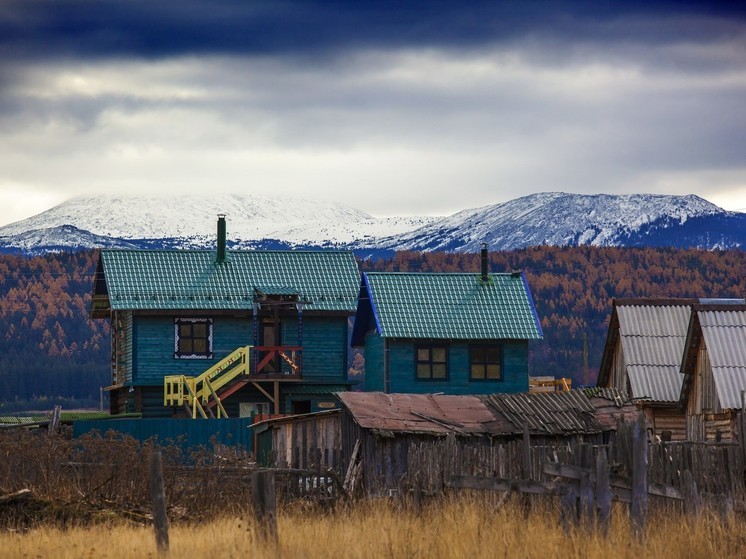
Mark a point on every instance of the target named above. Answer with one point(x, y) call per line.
point(265, 504)
point(639, 510)
point(615, 482)
point(603, 492)
point(158, 501)
point(500, 484)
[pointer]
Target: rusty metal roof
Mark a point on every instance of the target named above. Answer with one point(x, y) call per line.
point(436, 414)
point(553, 413)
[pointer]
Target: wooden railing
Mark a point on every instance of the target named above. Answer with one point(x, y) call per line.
point(198, 393)
point(267, 356)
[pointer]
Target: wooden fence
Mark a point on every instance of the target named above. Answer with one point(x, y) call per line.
point(717, 469)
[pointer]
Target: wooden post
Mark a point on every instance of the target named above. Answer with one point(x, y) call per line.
point(527, 465)
point(158, 502)
point(603, 491)
point(569, 508)
point(639, 509)
point(265, 504)
point(54, 421)
point(585, 487)
point(691, 495)
point(527, 468)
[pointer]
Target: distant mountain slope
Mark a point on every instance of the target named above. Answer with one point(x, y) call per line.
point(559, 219)
point(551, 218)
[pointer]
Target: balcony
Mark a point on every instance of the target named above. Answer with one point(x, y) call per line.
point(277, 363)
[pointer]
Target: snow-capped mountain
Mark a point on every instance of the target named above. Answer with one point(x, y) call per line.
point(553, 218)
point(189, 221)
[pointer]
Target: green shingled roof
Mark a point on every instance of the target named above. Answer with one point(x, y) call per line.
point(192, 280)
point(451, 306)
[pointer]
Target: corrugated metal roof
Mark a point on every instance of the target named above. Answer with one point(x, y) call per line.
point(554, 413)
point(452, 306)
point(655, 383)
point(653, 338)
point(724, 333)
point(654, 320)
point(551, 413)
point(192, 280)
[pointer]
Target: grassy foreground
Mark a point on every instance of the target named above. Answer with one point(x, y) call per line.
point(460, 529)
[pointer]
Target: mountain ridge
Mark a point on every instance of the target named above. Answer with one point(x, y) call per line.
point(547, 218)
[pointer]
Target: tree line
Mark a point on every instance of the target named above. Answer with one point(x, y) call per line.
point(51, 349)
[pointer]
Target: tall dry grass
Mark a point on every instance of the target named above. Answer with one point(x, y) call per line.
point(459, 528)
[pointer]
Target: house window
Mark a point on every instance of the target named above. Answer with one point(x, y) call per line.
point(431, 362)
point(193, 338)
point(486, 362)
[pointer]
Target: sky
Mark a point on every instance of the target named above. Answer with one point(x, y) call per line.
point(392, 107)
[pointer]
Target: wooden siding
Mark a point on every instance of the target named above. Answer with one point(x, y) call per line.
point(121, 347)
point(706, 420)
point(374, 362)
point(618, 377)
point(667, 421)
point(309, 443)
point(154, 350)
point(129, 325)
point(403, 378)
point(324, 347)
point(711, 427)
point(325, 342)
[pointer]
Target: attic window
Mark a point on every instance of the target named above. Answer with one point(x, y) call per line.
point(193, 338)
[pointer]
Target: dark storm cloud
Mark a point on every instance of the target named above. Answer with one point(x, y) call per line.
point(163, 28)
point(372, 103)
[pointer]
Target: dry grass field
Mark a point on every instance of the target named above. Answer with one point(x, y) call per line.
point(460, 528)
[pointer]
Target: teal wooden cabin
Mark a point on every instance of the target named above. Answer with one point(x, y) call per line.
point(270, 327)
point(451, 333)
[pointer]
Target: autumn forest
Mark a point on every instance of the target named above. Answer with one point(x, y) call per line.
point(51, 352)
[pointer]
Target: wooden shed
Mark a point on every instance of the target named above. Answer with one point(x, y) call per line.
point(308, 441)
point(714, 370)
point(391, 430)
point(642, 356)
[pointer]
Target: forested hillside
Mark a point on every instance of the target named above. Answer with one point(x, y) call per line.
point(49, 348)
point(50, 351)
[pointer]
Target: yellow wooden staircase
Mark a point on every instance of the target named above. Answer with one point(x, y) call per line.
point(197, 394)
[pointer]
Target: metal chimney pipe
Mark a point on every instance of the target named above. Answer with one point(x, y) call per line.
point(221, 238)
point(485, 264)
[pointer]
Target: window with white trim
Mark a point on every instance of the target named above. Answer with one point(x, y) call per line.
point(193, 338)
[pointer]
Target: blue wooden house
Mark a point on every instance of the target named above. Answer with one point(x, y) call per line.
point(226, 333)
point(455, 333)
